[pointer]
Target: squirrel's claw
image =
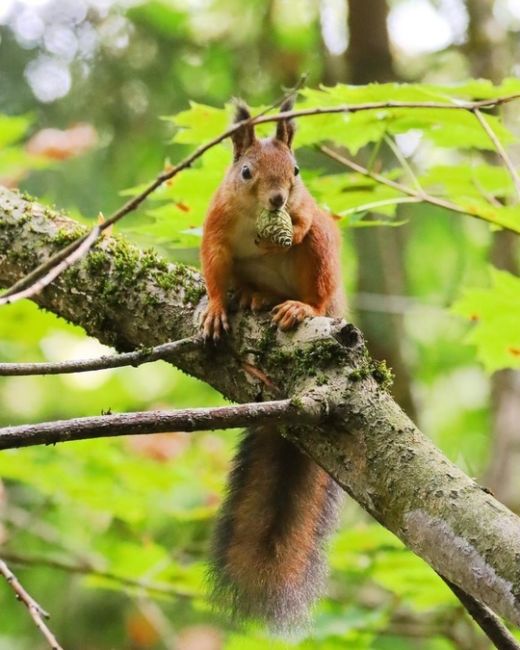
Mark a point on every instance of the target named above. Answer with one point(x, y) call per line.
point(214, 323)
point(290, 313)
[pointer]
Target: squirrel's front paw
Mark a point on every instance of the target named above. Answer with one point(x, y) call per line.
point(290, 313)
point(214, 322)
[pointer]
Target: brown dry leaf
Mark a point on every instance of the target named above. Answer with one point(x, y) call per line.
point(160, 447)
point(61, 144)
point(200, 637)
point(101, 220)
point(141, 631)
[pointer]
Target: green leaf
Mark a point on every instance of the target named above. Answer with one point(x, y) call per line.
point(496, 315)
point(185, 200)
point(410, 578)
point(350, 548)
point(448, 128)
point(390, 92)
point(352, 195)
point(200, 123)
point(352, 131)
point(468, 181)
point(502, 216)
point(13, 128)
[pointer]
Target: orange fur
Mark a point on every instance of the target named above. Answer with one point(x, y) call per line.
point(307, 273)
point(267, 551)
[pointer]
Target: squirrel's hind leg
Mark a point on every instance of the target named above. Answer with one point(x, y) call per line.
point(256, 299)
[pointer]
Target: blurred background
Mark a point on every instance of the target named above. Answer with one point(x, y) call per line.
point(112, 536)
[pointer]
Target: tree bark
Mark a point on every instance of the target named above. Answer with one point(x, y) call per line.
point(129, 298)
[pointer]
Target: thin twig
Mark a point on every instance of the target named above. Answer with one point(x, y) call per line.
point(123, 424)
point(37, 613)
point(366, 207)
point(487, 620)
point(166, 175)
point(404, 164)
point(374, 106)
point(85, 569)
point(500, 150)
point(404, 189)
point(165, 351)
point(159, 621)
point(79, 252)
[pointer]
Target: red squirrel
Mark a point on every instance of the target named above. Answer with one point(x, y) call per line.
point(267, 550)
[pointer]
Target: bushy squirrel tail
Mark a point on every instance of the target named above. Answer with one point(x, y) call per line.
point(267, 561)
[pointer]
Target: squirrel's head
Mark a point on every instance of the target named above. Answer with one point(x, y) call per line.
point(264, 170)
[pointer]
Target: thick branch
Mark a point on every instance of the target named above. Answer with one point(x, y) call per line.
point(130, 299)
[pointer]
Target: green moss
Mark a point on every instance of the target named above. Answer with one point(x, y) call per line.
point(297, 402)
point(65, 236)
point(268, 340)
point(193, 293)
point(97, 261)
point(310, 361)
point(382, 374)
point(379, 370)
point(359, 374)
point(28, 197)
point(166, 281)
point(321, 379)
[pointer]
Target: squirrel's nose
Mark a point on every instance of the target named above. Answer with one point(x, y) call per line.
point(277, 200)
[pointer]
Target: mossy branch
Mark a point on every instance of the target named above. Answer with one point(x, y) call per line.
point(132, 299)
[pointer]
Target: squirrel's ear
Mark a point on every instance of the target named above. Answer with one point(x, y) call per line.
point(245, 135)
point(285, 128)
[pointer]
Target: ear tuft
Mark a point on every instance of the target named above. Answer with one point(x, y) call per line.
point(244, 137)
point(287, 105)
point(285, 128)
point(241, 111)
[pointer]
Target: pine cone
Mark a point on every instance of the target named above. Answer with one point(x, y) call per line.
point(275, 226)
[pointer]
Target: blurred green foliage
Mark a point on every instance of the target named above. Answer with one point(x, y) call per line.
point(114, 534)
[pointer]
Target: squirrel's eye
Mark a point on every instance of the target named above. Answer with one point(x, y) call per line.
point(296, 170)
point(246, 173)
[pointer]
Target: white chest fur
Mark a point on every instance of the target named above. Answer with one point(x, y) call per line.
point(271, 271)
point(243, 239)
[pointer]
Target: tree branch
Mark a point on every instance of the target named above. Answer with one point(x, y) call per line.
point(489, 623)
point(125, 424)
point(502, 153)
point(87, 569)
point(36, 612)
point(165, 351)
point(417, 195)
point(80, 251)
point(130, 299)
